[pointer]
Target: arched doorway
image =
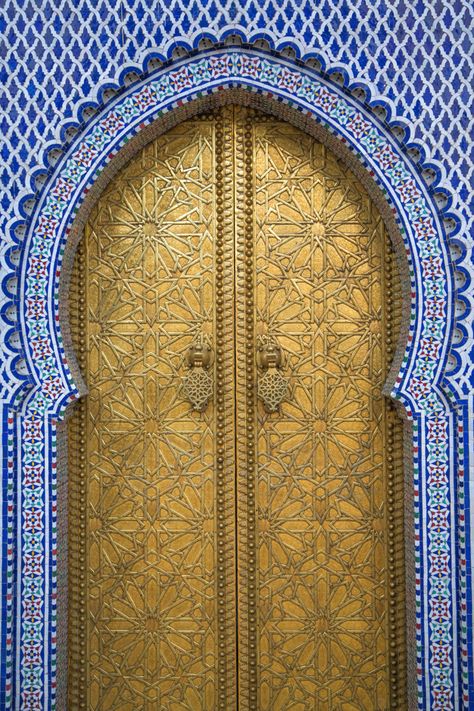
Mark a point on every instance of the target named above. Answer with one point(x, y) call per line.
point(242, 506)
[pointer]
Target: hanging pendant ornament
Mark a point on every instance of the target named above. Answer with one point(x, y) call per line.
point(272, 385)
point(197, 384)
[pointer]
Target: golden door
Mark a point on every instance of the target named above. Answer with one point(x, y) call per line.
point(236, 490)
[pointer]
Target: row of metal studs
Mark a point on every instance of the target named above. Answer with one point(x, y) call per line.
point(250, 410)
point(393, 487)
point(78, 507)
point(220, 426)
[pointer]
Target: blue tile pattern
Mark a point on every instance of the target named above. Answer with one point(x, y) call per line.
point(416, 56)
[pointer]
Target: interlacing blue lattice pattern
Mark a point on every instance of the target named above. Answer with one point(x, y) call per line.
point(62, 58)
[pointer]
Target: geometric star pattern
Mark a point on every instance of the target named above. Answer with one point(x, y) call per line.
point(418, 55)
point(322, 476)
point(415, 54)
point(322, 263)
point(151, 608)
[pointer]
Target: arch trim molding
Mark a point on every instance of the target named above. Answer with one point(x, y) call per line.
point(417, 385)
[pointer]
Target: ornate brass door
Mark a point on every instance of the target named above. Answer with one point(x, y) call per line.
point(245, 552)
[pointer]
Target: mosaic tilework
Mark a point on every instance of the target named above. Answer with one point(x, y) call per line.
point(418, 221)
point(414, 54)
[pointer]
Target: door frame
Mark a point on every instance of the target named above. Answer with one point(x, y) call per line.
point(48, 379)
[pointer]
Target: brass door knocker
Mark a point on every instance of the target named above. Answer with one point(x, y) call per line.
point(197, 384)
point(272, 385)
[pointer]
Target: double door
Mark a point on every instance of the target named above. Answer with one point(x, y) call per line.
point(235, 485)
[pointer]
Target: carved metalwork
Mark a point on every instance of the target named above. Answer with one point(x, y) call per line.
point(152, 580)
point(235, 225)
point(324, 505)
point(197, 384)
point(272, 385)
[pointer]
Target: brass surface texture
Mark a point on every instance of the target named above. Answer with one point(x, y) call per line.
point(229, 557)
point(321, 474)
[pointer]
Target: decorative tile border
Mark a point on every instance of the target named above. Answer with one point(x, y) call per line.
point(417, 385)
point(7, 559)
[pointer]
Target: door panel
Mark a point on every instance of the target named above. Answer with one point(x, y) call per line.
point(321, 474)
point(150, 280)
point(242, 230)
